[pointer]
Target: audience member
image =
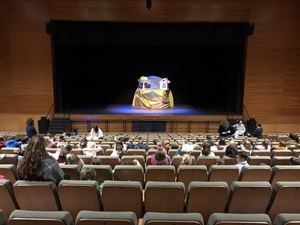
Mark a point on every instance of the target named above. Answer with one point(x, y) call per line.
point(226, 129)
point(73, 159)
point(96, 133)
point(30, 129)
point(37, 164)
point(206, 150)
point(240, 129)
point(186, 159)
point(160, 158)
point(2, 142)
point(118, 149)
point(88, 173)
point(241, 159)
point(230, 151)
point(61, 141)
point(258, 131)
point(92, 149)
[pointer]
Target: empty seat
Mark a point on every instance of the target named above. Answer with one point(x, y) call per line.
point(27, 217)
point(256, 152)
point(285, 198)
point(71, 170)
point(86, 217)
point(129, 173)
point(280, 160)
point(248, 197)
point(9, 159)
point(160, 173)
point(136, 152)
point(208, 161)
point(277, 152)
point(156, 218)
point(255, 173)
point(109, 160)
point(227, 173)
point(77, 195)
point(9, 171)
point(287, 219)
point(29, 194)
point(285, 173)
point(8, 202)
point(259, 160)
point(203, 196)
point(123, 196)
point(164, 197)
point(186, 174)
point(239, 219)
point(87, 159)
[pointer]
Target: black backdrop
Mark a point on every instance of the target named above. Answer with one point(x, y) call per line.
point(97, 64)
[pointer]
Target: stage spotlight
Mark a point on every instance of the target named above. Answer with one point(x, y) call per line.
point(148, 4)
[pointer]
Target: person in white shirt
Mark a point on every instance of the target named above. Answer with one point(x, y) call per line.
point(96, 133)
point(240, 129)
point(241, 159)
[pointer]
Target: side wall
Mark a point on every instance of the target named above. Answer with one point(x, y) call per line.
point(272, 82)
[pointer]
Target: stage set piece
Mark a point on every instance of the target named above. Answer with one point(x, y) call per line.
point(153, 93)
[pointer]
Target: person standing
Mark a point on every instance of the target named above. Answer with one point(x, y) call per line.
point(240, 129)
point(258, 131)
point(30, 129)
point(96, 133)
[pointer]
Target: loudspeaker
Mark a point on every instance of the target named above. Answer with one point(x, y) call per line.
point(249, 28)
point(43, 125)
point(251, 125)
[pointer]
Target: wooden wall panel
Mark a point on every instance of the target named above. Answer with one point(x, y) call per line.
point(272, 68)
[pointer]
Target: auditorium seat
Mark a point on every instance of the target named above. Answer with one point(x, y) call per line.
point(256, 152)
point(227, 173)
point(71, 170)
point(87, 159)
point(28, 217)
point(285, 173)
point(255, 173)
point(3, 218)
point(164, 197)
point(136, 152)
point(86, 217)
point(208, 161)
point(239, 219)
point(9, 171)
point(37, 195)
point(206, 197)
point(109, 160)
point(9, 159)
point(123, 196)
point(277, 152)
point(157, 218)
point(186, 174)
point(103, 172)
point(280, 160)
point(129, 173)
point(77, 195)
point(8, 202)
point(259, 160)
point(248, 197)
point(285, 198)
point(287, 219)
point(160, 173)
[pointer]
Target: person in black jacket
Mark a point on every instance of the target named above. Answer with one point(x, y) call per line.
point(226, 129)
point(258, 131)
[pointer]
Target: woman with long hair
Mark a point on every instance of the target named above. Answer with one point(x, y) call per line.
point(37, 164)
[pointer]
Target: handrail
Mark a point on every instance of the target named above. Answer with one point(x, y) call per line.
point(50, 112)
point(245, 109)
